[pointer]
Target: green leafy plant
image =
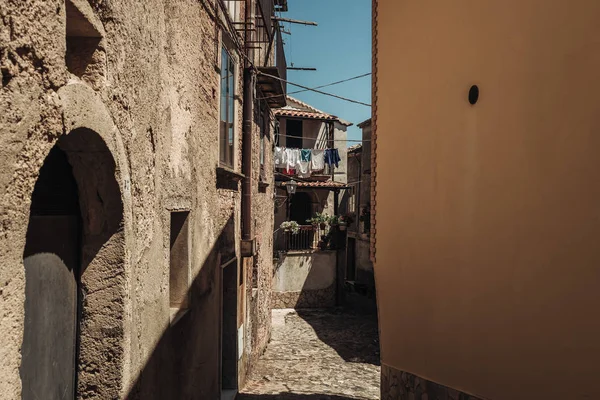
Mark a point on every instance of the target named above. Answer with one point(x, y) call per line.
point(319, 219)
point(290, 226)
point(334, 220)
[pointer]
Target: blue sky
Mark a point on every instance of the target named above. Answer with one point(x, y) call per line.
point(339, 47)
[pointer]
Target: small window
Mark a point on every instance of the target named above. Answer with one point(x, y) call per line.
point(84, 57)
point(179, 261)
point(233, 6)
point(227, 128)
point(366, 217)
point(352, 198)
point(263, 133)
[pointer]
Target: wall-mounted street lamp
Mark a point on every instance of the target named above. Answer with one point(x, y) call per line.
point(291, 187)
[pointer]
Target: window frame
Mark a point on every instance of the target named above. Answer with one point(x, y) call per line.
point(264, 122)
point(227, 108)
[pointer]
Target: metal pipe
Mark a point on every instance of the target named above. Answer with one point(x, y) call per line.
point(248, 112)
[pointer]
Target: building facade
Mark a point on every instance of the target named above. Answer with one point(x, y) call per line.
point(307, 266)
point(359, 267)
point(137, 195)
point(487, 198)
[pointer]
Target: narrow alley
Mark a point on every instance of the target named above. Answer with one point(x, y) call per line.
point(320, 355)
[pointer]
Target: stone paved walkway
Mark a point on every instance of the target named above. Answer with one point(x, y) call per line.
point(318, 355)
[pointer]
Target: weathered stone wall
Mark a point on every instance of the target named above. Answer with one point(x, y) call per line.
point(259, 275)
point(153, 96)
point(305, 280)
point(398, 385)
point(317, 298)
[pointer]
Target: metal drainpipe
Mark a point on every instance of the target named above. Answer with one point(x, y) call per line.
point(248, 111)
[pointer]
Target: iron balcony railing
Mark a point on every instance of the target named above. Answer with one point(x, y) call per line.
point(306, 239)
point(280, 61)
point(267, 8)
point(268, 42)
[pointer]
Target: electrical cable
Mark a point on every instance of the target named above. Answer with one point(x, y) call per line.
point(315, 90)
point(319, 87)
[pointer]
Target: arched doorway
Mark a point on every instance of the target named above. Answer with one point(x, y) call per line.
point(74, 274)
point(51, 260)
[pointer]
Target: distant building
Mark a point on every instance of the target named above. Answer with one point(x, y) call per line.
point(359, 268)
point(307, 268)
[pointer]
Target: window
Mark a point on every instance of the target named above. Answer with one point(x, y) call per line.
point(293, 132)
point(179, 261)
point(366, 217)
point(226, 128)
point(233, 6)
point(352, 198)
point(264, 129)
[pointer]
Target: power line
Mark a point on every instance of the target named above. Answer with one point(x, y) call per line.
point(319, 87)
point(315, 90)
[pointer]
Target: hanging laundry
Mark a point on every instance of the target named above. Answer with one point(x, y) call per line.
point(293, 157)
point(303, 169)
point(317, 159)
point(305, 155)
point(332, 156)
point(280, 157)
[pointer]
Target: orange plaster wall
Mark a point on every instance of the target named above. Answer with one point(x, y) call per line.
point(488, 216)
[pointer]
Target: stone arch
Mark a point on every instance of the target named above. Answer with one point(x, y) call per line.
point(95, 151)
point(92, 246)
point(102, 265)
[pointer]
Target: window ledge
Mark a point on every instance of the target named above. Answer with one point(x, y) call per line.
point(263, 184)
point(228, 178)
point(226, 171)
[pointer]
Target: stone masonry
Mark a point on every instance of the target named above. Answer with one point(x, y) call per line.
point(142, 80)
point(318, 354)
point(398, 385)
point(318, 298)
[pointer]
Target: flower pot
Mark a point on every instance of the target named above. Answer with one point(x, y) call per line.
point(342, 227)
point(322, 225)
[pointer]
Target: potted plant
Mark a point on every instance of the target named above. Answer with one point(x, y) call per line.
point(343, 220)
point(320, 219)
point(290, 226)
point(334, 220)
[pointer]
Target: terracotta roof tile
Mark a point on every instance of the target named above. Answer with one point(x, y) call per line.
point(298, 109)
point(283, 112)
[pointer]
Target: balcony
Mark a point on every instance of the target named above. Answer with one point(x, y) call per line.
point(307, 238)
point(271, 65)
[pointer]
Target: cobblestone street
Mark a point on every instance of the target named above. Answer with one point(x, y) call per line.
point(318, 355)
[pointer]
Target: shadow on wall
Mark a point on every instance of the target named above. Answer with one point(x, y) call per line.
point(354, 335)
point(185, 362)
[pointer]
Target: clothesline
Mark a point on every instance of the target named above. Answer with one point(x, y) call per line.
point(315, 139)
point(302, 162)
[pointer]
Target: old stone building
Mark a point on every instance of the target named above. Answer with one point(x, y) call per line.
point(360, 278)
point(136, 195)
point(309, 266)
